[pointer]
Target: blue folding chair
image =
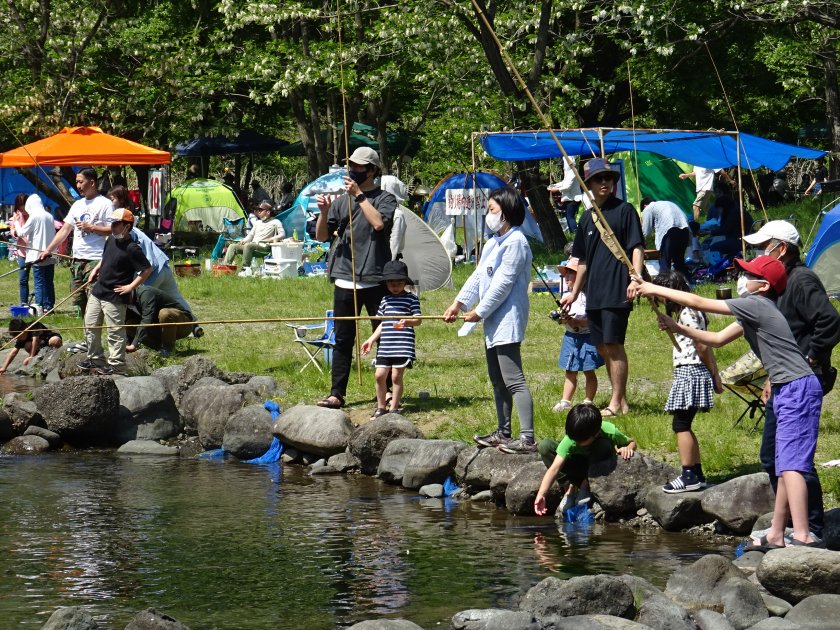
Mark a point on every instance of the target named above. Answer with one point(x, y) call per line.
point(322, 346)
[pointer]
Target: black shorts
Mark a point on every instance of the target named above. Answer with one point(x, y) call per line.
point(393, 362)
point(608, 325)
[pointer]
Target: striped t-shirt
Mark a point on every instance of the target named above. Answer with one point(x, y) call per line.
point(396, 342)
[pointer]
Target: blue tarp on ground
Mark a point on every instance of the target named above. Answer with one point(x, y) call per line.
point(708, 149)
point(824, 255)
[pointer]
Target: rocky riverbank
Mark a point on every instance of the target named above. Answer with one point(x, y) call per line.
point(185, 409)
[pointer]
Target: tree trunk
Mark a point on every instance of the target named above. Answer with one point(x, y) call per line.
point(554, 238)
point(832, 109)
point(63, 200)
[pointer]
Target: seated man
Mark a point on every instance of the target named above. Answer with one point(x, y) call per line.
point(265, 232)
point(156, 306)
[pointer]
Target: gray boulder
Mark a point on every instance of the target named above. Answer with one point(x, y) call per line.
point(151, 619)
point(147, 447)
point(415, 463)
point(743, 605)
point(654, 609)
point(170, 376)
point(385, 624)
point(818, 612)
point(795, 573)
point(589, 622)
point(776, 623)
point(831, 533)
point(522, 490)
point(25, 445)
point(70, 618)
point(697, 585)
point(147, 409)
point(343, 462)
point(81, 408)
point(432, 491)
point(211, 381)
point(263, 386)
point(737, 503)
point(315, 430)
point(248, 432)
point(776, 606)
point(480, 469)
point(22, 412)
point(237, 378)
point(749, 561)
point(50, 360)
point(494, 619)
point(620, 486)
point(711, 620)
point(584, 595)
point(675, 512)
point(368, 442)
point(194, 369)
point(206, 410)
point(53, 438)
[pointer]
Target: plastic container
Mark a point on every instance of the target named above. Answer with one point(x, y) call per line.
point(20, 311)
point(224, 270)
point(288, 251)
point(280, 268)
point(187, 269)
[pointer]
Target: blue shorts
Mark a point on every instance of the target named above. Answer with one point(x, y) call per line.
point(797, 406)
point(577, 354)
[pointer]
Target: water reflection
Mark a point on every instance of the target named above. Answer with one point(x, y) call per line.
point(214, 543)
point(10, 383)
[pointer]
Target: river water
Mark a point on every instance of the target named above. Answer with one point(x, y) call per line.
point(231, 545)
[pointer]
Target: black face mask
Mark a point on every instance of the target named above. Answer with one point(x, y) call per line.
point(360, 177)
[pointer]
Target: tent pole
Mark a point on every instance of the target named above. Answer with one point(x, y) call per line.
point(601, 141)
point(740, 195)
point(479, 240)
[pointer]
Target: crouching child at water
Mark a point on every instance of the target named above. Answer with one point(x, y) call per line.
point(797, 393)
point(396, 337)
point(32, 340)
point(588, 439)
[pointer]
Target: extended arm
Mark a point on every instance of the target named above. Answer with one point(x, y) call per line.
point(548, 479)
point(682, 298)
point(60, 237)
point(708, 338)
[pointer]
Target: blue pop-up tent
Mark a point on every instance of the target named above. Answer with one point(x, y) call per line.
point(709, 149)
point(824, 255)
point(12, 183)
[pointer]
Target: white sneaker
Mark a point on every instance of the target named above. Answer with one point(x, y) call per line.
point(247, 272)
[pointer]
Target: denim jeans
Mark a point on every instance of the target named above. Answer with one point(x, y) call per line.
point(44, 285)
point(23, 280)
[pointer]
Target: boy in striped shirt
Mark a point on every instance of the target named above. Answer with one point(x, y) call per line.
point(395, 337)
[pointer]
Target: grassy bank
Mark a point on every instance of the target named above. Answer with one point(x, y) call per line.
point(453, 370)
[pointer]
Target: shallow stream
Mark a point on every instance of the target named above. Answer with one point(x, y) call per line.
point(231, 545)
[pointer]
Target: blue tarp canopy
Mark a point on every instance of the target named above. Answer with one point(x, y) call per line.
point(13, 182)
point(709, 149)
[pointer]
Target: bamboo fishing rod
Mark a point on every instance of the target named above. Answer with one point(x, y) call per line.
point(605, 231)
point(35, 249)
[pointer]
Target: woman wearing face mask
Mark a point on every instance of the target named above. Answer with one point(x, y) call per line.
point(500, 285)
point(797, 393)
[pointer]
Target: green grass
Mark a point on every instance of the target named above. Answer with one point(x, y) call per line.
point(453, 369)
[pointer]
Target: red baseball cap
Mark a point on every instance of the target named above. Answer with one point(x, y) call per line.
point(768, 268)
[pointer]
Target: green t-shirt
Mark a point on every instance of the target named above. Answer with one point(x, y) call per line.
point(569, 447)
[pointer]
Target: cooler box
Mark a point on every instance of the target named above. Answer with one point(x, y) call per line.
point(280, 267)
point(287, 251)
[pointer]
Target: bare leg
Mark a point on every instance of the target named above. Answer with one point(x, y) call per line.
point(591, 384)
point(797, 502)
point(616, 360)
point(689, 448)
point(775, 535)
point(381, 386)
point(570, 385)
point(397, 384)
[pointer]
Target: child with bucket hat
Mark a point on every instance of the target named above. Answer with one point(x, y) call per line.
point(396, 337)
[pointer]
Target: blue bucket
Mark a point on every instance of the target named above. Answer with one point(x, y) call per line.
point(19, 311)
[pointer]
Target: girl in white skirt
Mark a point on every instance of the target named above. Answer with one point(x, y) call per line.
point(696, 379)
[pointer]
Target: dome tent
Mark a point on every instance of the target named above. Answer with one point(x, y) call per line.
point(205, 200)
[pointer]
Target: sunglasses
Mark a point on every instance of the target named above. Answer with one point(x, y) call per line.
point(602, 177)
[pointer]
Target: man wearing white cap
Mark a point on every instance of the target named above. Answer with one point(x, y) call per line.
point(356, 263)
point(815, 325)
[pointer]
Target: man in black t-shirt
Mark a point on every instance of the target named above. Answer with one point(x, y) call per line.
point(122, 269)
point(604, 279)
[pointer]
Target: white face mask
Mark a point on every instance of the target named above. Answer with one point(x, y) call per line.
point(741, 287)
point(494, 221)
point(768, 252)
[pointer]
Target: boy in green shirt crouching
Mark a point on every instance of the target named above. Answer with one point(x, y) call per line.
point(588, 439)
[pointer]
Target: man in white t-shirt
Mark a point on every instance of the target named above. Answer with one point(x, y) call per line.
point(265, 232)
point(704, 184)
point(89, 221)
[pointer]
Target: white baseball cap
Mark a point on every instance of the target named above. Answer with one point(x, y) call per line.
point(775, 230)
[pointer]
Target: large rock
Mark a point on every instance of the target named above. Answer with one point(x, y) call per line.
point(70, 618)
point(794, 573)
point(136, 364)
point(25, 445)
point(654, 609)
point(522, 490)
point(263, 386)
point(711, 620)
point(621, 485)
point(584, 595)
point(170, 376)
point(368, 442)
point(81, 408)
point(22, 412)
point(494, 619)
point(737, 503)
point(53, 438)
point(206, 410)
point(415, 463)
point(589, 622)
point(698, 585)
point(743, 605)
point(818, 612)
point(248, 432)
point(151, 619)
point(194, 369)
point(675, 512)
point(147, 410)
point(385, 624)
point(315, 430)
point(480, 469)
point(147, 447)
point(776, 623)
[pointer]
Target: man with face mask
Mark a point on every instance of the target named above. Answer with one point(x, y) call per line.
point(363, 254)
point(122, 269)
point(815, 325)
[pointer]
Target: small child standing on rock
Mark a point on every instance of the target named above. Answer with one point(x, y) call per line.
point(588, 438)
point(396, 337)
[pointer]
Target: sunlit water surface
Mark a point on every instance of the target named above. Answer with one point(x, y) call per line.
point(231, 545)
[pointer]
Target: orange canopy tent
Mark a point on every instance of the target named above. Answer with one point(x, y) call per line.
point(82, 146)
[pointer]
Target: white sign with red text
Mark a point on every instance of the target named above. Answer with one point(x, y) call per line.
point(462, 202)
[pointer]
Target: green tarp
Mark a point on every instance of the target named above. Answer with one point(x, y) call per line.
point(659, 178)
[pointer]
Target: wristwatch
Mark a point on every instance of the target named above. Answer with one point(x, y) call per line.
point(360, 197)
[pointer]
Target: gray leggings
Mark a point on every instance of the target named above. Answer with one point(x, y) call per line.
point(504, 365)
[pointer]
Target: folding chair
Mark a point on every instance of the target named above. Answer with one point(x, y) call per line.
point(745, 378)
point(314, 348)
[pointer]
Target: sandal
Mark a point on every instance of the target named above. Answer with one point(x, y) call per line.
point(563, 405)
point(333, 401)
point(380, 411)
point(762, 545)
point(816, 544)
point(399, 410)
point(607, 412)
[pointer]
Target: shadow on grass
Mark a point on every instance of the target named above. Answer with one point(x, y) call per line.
point(737, 471)
point(419, 405)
